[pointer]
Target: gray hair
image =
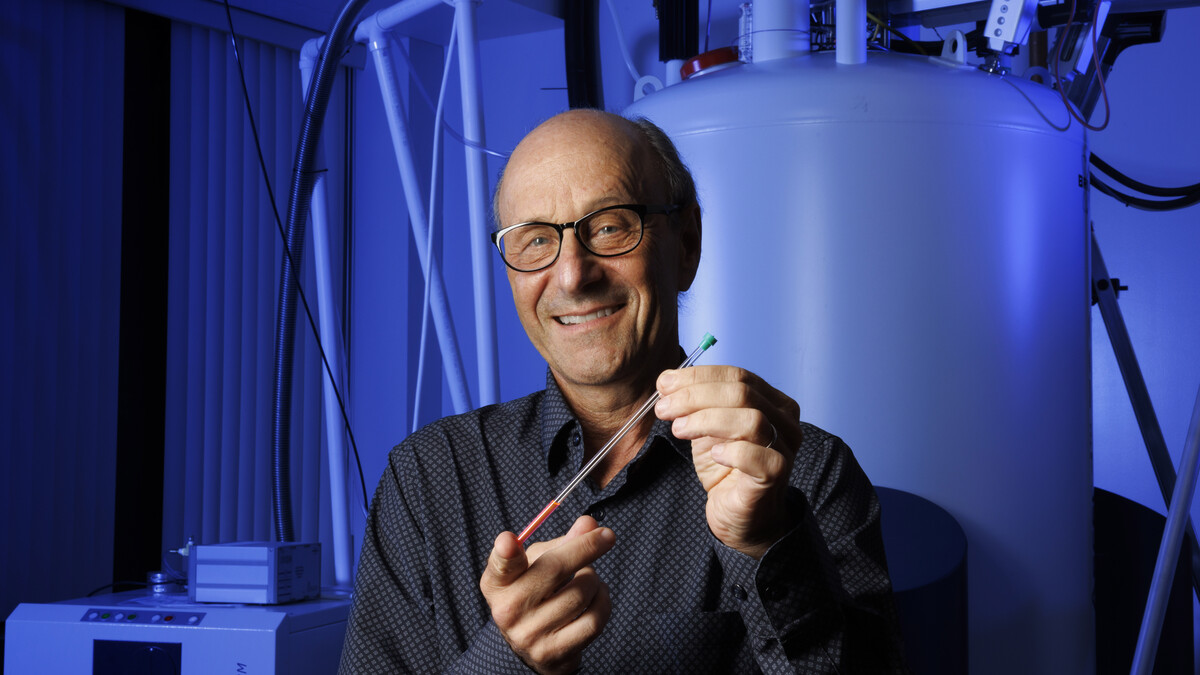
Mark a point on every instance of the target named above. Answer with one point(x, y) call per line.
point(680, 185)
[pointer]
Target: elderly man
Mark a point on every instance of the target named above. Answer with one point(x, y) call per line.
point(723, 536)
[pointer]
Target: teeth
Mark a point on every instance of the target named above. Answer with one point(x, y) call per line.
point(583, 318)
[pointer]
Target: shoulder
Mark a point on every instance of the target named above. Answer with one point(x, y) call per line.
point(822, 461)
point(819, 446)
point(482, 427)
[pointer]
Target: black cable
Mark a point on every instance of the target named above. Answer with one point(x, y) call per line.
point(1184, 191)
point(708, 26)
point(315, 105)
point(288, 253)
point(1058, 82)
point(1140, 203)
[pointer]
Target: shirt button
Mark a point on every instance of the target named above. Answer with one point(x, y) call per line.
point(739, 593)
point(598, 514)
point(576, 438)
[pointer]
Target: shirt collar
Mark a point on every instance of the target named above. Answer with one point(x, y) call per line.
point(558, 422)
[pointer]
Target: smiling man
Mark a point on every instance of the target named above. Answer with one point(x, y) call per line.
point(721, 535)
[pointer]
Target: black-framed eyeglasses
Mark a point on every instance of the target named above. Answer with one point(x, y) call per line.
point(607, 232)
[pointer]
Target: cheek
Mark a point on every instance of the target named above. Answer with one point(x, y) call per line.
point(525, 292)
point(662, 273)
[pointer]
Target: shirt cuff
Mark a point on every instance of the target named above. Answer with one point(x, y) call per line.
point(783, 590)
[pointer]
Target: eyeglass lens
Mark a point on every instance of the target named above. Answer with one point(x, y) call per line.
point(607, 233)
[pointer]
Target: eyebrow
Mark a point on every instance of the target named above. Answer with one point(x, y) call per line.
point(595, 206)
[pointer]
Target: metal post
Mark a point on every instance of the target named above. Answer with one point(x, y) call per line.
point(443, 321)
point(331, 337)
point(477, 200)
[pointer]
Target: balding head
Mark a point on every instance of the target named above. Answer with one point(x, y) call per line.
point(659, 158)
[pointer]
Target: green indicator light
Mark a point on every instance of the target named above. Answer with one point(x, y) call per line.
point(105, 615)
point(131, 617)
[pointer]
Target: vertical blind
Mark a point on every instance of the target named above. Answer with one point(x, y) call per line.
point(62, 65)
point(225, 253)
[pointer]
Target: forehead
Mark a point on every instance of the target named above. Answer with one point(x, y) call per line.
point(572, 165)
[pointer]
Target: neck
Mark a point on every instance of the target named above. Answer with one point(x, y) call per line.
point(602, 411)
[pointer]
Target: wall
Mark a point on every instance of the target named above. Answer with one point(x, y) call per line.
point(60, 267)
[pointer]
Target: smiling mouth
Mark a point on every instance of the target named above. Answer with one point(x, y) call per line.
point(576, 319)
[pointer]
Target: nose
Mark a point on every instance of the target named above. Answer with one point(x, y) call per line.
point(576, 266)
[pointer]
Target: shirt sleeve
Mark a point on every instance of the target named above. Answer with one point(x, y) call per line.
point(820, 599)
point(393, 626)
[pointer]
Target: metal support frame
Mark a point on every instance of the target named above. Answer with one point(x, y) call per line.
point(1105, 295)
point(1168, 550)
point(373, 32)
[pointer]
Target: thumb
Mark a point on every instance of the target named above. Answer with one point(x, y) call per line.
point(507, 561)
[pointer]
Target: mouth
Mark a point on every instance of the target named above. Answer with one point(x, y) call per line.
point(576, 319)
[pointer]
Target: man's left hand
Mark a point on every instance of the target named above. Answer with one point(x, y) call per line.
point(744, 433)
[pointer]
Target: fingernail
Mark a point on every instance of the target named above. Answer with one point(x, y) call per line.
point(607, 535)
point(666, 380)
point(679, 425)
point(663, 406)
point(717, 450)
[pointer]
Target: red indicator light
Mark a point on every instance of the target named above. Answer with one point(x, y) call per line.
point(169, 617)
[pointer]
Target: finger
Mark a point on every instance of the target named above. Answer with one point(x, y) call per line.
point(763, 465)
point(713, 394)
point(506, 562)
point(561, 649)
point(557, 609)
point(556, 566)
point(539, 603)
point(587, 626)
point(572, 599)
point(730, 424)
point(582, 525)
point(578, 550)
point(747, 389)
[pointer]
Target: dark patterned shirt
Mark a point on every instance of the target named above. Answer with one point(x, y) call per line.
point(819, 601)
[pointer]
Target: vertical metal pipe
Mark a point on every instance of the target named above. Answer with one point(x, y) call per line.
point(780, 29)
point(443, 321)
point(477, 199)
point(335, 436)
point(851, 31)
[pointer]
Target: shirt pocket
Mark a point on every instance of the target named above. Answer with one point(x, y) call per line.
point(694, 642)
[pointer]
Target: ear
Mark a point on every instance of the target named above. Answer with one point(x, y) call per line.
point(689, 240)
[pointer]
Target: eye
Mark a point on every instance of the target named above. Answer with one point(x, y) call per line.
point(529, 240)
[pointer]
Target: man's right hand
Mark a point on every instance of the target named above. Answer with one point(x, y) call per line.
point(548, 602)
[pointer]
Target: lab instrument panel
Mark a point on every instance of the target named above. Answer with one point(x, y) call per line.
point(139, 632)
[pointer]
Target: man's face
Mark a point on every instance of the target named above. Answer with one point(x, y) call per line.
point(597, 320)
